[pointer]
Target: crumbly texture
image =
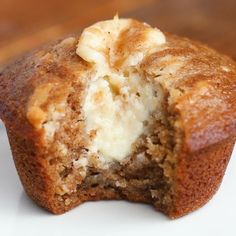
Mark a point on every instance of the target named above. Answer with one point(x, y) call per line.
point(177, 164)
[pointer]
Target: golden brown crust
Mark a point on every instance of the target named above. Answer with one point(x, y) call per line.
point(202, 93)
point(205, 83)
point(19, 80)
point(32, 170)
point(199, 175)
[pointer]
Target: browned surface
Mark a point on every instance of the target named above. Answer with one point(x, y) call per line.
point(206, 162)
point(25, 24)
point(199, 176)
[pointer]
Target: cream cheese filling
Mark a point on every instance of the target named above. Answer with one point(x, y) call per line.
point(117, 103)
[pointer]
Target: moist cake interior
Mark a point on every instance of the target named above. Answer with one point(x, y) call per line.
point(113, 136)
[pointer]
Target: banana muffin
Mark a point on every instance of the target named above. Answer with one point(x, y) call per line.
point(121, 112)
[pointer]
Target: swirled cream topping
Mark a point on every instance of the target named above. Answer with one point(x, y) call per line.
point(118, 99)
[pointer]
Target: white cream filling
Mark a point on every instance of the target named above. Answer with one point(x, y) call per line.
point(117, 116)
point(116, 105)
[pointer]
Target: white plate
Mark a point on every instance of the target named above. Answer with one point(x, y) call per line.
point(20, 216)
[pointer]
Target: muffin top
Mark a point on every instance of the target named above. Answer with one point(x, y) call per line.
point(201, 83)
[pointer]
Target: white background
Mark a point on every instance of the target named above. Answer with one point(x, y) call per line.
point(20, 216)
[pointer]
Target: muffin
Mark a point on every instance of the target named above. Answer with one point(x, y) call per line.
point(121, 112)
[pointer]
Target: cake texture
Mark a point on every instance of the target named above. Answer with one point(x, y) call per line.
point(121, 112)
